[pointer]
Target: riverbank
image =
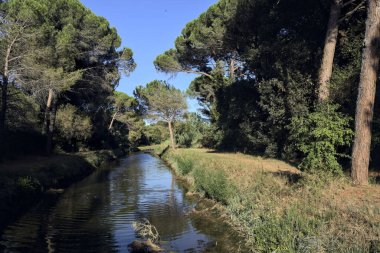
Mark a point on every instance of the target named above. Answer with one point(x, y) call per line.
point(24, 181)
point(280, 209)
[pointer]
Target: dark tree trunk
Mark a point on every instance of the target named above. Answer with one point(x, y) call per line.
point(366, 95)
point(3, 113)
point(50, 121)
point(4, 103)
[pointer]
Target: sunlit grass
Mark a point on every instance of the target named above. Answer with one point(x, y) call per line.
point(281, 209)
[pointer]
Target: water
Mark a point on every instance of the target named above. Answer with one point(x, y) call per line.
point(96, 214)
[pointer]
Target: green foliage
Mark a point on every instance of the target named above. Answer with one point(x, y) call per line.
point(123, 102)
point(205, 90)
point(292, 231)
point(190, 132)
point(318, 136)
point(256, 61)
point(155, 133)
point(160, 101)
point(213, 183)
point(72, 125)
point(23, 111)
point(212, 136)
point(28, 184)
point(61, 46)
point(184, 165)
point(167, 62)
point(126, 125)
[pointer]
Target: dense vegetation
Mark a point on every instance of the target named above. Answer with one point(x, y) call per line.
point(264, 81)
point(296, 81)
point(60, 65)
point(285, 79)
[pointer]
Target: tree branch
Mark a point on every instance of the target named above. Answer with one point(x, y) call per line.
point(347, 3)
point(348, 14)
point(199, 73)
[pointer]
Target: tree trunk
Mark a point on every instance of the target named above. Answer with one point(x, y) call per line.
point(113, 119)
point(4, 103)
point(50, 133)
point(329, 51)
point(171, 135)
point(4, 96)
point(366, 95)
point(49, 122)
point(232, 69)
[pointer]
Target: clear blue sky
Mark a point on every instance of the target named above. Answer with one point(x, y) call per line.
point(149, 27)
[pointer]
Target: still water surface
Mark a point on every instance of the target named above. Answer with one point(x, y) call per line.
point(96, 214)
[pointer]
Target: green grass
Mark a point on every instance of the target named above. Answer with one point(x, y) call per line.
point(213, 183)
point(280, 209)
point(184, 166)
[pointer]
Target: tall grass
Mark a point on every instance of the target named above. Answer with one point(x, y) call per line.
point(184, 165)
point(281, 210)
point(213, 183)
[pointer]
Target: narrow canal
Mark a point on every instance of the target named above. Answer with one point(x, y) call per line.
point(96, 214)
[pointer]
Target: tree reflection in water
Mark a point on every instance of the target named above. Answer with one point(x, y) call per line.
point(96, 215)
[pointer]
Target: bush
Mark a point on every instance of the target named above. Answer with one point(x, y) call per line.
point(212, 137)
point(190, 132)
point(318, 136)
point(29, 185)
point(185, 140)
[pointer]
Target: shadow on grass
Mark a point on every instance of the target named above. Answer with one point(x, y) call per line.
point(290, 177)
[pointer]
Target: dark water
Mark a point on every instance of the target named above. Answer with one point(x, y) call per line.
point(96, 215)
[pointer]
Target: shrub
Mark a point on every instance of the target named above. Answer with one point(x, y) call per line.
point(318, 136)
point(190, 132)
point(212, 137)
point(29, 184)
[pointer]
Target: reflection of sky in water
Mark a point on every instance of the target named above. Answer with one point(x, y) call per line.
point(96, 214)
point(156, 196)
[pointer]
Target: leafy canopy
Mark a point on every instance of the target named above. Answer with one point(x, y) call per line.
point(161, 101)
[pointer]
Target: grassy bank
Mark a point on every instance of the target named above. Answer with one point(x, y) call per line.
point(24, 181)
point(280, 209)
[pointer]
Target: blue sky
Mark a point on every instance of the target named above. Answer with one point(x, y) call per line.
point(149, 27)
